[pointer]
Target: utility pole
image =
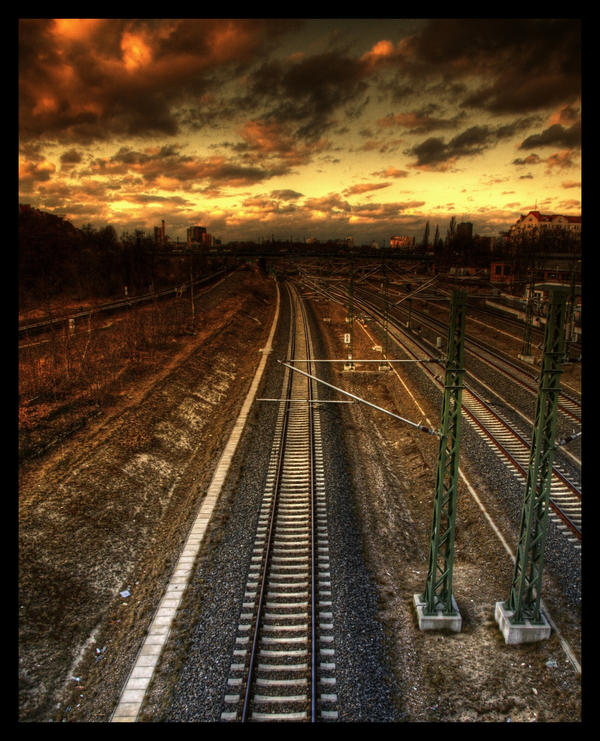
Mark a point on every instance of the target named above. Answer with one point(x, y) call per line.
point(349, 338)
point(436, 607)
point(526, 350)
point(520, 618)
point(192, 291)
point(384, 365)
point(570, 318)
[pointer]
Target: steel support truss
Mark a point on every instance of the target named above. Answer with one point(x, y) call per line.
point(525, 591)
point(438, 588)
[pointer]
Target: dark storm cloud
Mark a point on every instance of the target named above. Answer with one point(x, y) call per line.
point(70, 158)
point(421, 121)
point(116, 77)
point(555, 136)
point(307, 92)
point(286, 194)
point(176, 170)
point(97, 79)
point(474, 140)
point(526, 64)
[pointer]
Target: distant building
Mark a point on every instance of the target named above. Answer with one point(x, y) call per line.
point(195, 234)
point(199, 235)
point(560, 268)
point(501, 272)
point(485, 243)
point(159, 233)
point(465, 230)
point(536, 224)
point(404, 242)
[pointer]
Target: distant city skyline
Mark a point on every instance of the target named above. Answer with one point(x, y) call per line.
point(298, 129)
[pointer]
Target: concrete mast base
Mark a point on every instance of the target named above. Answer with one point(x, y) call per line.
point(439, 621)
point(525, 632)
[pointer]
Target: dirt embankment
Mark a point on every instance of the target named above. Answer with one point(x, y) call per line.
point(102, 514)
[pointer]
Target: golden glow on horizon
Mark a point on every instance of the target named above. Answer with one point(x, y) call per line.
point(314, 138)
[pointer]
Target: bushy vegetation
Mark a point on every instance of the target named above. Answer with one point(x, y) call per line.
point(58, 260)
point(71, 370)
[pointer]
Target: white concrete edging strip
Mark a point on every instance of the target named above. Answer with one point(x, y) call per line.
point(134, 691)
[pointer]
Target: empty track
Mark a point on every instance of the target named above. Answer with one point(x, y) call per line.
point(499, 433)
point(283, 664)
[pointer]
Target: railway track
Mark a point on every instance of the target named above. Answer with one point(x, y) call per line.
point(569, 405)
point(565, 495)
point(515, 450)
point(30, 329)
point(283, 664)
point(508, 442)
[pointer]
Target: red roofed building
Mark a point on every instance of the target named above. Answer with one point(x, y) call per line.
point(537, 223)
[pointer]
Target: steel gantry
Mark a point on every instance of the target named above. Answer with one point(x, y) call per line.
point(523, 603)
point(437, 596)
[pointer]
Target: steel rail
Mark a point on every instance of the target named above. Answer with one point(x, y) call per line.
point(572, 526)
point(568, 405)
point(469, 395)
point(296, 440)
point(313, 702)
point(115, 305)
point(476, 347)
point(556, 473)
point(269, 540)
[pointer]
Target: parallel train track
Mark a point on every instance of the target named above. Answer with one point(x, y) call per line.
point(513, 448)
point(568, 404)
point(283, 665)
point(565, 495)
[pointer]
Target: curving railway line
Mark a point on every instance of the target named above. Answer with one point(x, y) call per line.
point(283, 664)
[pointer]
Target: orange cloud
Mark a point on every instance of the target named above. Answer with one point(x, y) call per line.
point(75, 29)
point(274, 139)
point(228, 41)
point(384, 51)
point(31, 173)
point(391, 172)
point(380, 49)
point(266, 137)
point(566, 115)
point(561, 160)
point(136, 52)
point(409, 120)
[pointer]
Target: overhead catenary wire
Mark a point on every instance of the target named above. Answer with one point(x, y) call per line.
point(418, 425)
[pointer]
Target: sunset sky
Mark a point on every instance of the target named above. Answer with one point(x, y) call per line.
point(300, 128)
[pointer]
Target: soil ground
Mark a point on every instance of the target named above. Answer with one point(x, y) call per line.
point(445, 677)
point(103, 513)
